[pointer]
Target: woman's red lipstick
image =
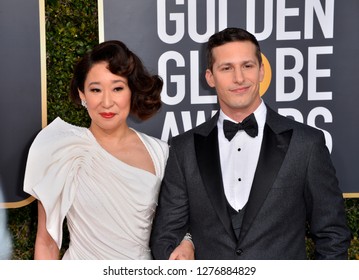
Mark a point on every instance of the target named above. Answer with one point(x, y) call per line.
point(107, 115)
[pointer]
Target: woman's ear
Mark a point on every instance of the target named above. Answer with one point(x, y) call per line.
point(82, 95)
point(83, 99)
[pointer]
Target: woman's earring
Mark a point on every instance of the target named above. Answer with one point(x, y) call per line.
point(84, 103)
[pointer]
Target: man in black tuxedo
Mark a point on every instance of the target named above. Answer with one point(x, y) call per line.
point(246, 183)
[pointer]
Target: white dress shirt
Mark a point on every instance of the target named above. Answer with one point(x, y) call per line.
point(239, 158)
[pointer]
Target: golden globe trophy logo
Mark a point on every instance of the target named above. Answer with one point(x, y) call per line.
point(267, 75)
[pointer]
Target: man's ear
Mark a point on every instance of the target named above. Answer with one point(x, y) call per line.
point(261, 73)
point(209, 78)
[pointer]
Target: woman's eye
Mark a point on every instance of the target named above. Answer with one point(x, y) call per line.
point(118, 88)
point(95, 90)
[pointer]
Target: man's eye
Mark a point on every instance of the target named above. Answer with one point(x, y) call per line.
point(226, 68)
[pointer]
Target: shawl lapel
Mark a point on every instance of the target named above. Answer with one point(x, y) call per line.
point(274, 147)
point(208, 160)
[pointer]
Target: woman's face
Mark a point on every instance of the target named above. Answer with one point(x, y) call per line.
point(108, 98)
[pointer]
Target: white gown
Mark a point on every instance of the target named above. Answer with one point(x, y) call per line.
point(109, 205)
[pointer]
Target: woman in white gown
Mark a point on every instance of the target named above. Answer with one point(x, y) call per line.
point(104, 179)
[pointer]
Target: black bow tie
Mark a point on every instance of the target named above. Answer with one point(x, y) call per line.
point(249, 125)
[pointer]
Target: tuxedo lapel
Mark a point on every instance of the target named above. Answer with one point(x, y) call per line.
point(208, 160)
point(273, 150)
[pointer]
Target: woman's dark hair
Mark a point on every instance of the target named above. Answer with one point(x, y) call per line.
point(228, 35)
point(145, 88)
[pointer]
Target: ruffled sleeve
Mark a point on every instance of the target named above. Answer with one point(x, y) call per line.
point(53, 161)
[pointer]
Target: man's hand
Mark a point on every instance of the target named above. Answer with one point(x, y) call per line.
point(184, 251)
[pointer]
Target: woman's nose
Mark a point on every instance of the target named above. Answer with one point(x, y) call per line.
point(107, 100)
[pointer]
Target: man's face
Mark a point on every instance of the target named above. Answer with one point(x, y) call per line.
point(236, 75)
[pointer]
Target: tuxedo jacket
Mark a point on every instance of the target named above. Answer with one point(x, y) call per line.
point(295, 189)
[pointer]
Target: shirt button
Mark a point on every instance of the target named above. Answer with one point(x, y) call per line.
point(239, 149)
point(239, 252)
point(239, 179)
